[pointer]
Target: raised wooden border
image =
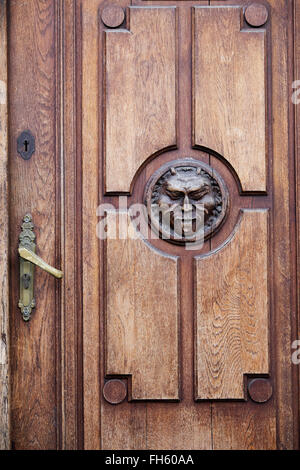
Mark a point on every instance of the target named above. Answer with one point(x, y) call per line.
point(4, 290)
point(69, 227)
point(90, 148)
point(297, 168)
point(71, 415)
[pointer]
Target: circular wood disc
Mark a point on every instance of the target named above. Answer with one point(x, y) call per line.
point(260, 390)
point(256, 15)
point(114, 391)
point(113, 16)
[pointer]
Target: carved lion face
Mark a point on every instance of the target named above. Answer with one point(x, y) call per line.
point(186, 202)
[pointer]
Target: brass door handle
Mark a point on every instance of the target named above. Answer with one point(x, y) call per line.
point(29, 255)
point(28, 258)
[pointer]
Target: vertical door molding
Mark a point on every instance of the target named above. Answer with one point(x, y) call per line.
point(4, 297)
point(283, 263)
point(69, 369)
point(91, 104)
point(297, 159)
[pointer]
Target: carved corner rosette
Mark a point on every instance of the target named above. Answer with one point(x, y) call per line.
point(187, 200)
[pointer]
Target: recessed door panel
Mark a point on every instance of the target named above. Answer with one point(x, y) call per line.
point(232, 311)
point(142, 314)
point(229, 91)
point(140, 70)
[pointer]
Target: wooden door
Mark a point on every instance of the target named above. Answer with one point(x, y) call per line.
point(167, 341)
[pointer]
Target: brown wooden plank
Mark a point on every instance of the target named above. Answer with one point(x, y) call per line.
point(244, 426)
point(284, 320)
point(281, 318)
point(4, 296)
point(140, 93)
point(90, 143)
point(232, 311)
point(229, 67)
point(69, 176)
point(122, 426)
point(142, 314)
point(184, 425)
point(297, 164)
point(35, 408)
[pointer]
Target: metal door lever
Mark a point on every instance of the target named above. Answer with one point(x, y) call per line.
point(28, 258)
point(29, 255)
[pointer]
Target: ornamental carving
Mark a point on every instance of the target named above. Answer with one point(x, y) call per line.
point(187, 201)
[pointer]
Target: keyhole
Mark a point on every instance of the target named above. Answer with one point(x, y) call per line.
point(26, 145)
point(26, 280)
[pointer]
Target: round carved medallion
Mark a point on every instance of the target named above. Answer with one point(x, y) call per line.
point(114, 391)
point(113, 16)
point(256, 15)
point(186, 200)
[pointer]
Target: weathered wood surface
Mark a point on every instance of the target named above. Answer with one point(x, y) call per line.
point(229, 92)
point(185, 424)
point(283, 213)
point(57, 397)
point(244, 426)
point(142, 314)
point(4, 294)
point(297, 155)
point(91, 268)
point(35, 409)
point(282, 319)
point(69, 227)
point(232, 311)
point(140, 93)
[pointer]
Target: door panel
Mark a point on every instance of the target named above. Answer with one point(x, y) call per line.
point(230, 92)
point(141, 341)
point(137, 72)
point(232, 311)
point(224, 120)
point(148, 344)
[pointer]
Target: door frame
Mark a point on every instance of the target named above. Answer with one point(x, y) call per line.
point(68, 131)
point(4, 282)
point(296, 116)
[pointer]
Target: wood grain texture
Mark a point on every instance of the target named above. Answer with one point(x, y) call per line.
point(284, 321)
point(297, 162)
point(122, 426)
point(70, 228)
point(115, 391)
point(184, 424)
point(179, 426)
point(260, 390)
point(232, 311)
point(243, 427)
point(256, 14)
point(32, 92)
point(229, 95)
point(90, 148)
point(140, 93)
point(112, 16)
point(133, 425)
point(142, 314)
point(4, 283)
